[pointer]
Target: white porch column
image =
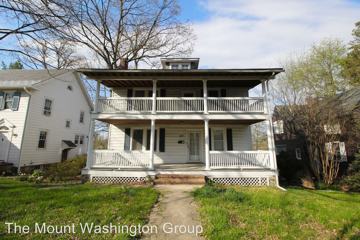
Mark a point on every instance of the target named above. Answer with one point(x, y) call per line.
point(154, 97)
point(269, 125)
point(90, 147)
point(97, 96)
point(205, 95)
point(152, 143)
point(207, 146)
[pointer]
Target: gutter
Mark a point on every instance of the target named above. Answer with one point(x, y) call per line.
point(23, 133)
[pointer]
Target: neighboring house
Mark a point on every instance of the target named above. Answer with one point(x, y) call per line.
point(182, 120)
point(44, 116)
point(348, 136)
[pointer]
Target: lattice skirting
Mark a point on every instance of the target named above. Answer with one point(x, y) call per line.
point(118, 180)
point(243, 181)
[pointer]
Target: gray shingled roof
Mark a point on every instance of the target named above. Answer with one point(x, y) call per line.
point(26, 78)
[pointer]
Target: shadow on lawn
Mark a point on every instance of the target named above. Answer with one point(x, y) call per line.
point(347, 228)
point(334, 198)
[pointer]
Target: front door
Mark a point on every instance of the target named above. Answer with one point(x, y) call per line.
point(4, 144)
point(194, 146)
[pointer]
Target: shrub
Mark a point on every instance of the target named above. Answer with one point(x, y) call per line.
point(352, 181)
point(67, 170)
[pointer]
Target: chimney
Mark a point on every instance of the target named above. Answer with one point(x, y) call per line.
point(124, 64)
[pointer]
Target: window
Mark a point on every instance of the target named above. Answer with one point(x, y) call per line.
point(278, 127)
point(76, 141)
point(174, 66)
point(67, 123)
point(82, 117)
point(218, 140)
point(298, 153)
point(337, 151)
point(81, 141)
point(42, 139)
point(47, 107)
point(137, 139)
point(185, 66)
point(8, 100)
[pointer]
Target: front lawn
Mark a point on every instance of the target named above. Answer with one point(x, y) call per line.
point(266, 213)
point(26, 204)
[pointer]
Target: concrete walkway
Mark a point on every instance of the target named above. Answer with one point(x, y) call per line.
point(175, 215)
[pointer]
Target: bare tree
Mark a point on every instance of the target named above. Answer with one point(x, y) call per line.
point(136, 30)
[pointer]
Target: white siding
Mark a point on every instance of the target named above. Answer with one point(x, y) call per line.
point(175, 152)
point(66, 105)
point(16, 118)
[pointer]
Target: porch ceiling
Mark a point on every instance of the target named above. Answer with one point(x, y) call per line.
point(178, 122)
point(176, 78)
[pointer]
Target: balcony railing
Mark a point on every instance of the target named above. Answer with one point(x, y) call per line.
point(240, 159)
point(181, 104)
point(218, 159)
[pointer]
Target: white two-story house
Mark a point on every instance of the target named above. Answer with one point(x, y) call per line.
point(44, 116)
point(182, 120)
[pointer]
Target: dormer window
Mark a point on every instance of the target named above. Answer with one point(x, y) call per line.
point(185, 66)
point(174, 66)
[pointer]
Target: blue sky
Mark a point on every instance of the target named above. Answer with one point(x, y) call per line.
point(262, 33)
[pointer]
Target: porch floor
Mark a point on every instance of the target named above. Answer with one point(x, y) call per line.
point(181, 166)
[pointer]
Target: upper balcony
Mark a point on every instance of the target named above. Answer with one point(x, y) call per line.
point(201, 103)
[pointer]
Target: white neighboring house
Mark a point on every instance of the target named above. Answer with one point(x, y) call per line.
point(44, 116)
point(182, 120)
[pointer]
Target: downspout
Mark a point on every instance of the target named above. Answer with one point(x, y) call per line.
point(23, 133)
point(272, 132)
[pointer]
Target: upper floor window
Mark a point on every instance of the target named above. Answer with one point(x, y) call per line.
point(82, 117)
point(47, 107)
point(185, 66)
point(42, 139)
point(278, 127)
point(67, 123)
point(9, 100)
point(174, 66)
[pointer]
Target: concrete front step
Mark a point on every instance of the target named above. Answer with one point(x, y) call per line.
point(179, 179)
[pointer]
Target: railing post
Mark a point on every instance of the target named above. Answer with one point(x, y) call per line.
point(90, 149)
point(207, 147)
point(205, 95)
point(154, 97)
point(96, 110)
point(152, 144)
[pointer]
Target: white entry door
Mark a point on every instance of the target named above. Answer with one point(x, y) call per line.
point(4, 144)
point(194, 146)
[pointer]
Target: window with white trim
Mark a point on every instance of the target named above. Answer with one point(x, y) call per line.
point(81, 141)
point(76, 140)
point(67, 123)
point(137, 139)
point(47, 107)
point(185, 66)
point(8, 100)
point(218, 139)
point(42, 139)
point(278, 127)
point(174, 66)
point(82, 114)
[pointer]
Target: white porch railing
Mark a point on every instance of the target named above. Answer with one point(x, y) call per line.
point(133, 104)
point(240, 159)
point(180, 104)
point(120, 159)
point(236, 104)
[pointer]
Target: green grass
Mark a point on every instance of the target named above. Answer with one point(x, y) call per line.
point(266, 213)
point(26, 203)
